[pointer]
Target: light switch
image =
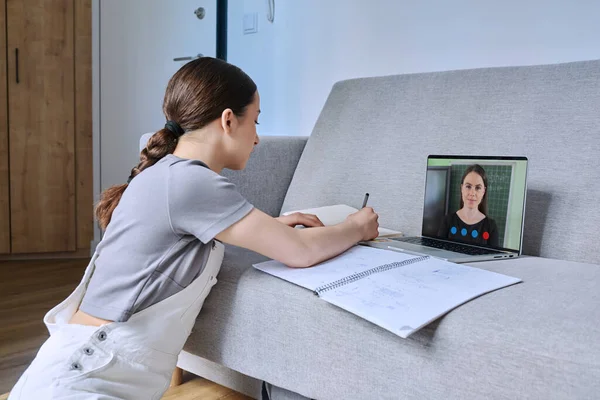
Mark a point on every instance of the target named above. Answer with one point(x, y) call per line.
point(250, 23)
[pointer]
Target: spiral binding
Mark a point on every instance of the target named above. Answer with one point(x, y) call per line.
point(355, 277)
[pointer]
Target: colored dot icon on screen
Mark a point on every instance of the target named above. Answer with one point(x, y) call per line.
point(453, 230)
point(474, 233)
point(486, 235)
point(463, 231)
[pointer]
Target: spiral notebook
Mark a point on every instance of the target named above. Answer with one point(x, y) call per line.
point(396, 291)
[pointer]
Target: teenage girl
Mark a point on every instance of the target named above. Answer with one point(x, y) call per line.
point(118, 334)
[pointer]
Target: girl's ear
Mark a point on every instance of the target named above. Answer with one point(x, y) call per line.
point(228, 121)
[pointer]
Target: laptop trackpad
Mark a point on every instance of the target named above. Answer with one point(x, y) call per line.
point(426, 250)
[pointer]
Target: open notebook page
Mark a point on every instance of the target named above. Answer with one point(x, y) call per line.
point(404, 299)
point(356, 259)
point(401, 299)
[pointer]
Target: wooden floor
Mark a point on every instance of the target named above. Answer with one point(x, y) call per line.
point(28, 289)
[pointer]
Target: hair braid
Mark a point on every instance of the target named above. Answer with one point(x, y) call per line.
point(160, 144)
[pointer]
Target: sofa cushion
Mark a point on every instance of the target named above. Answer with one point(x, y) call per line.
point(374, 134)
point(536, 339)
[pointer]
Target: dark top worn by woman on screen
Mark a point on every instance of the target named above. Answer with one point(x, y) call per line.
point(485, 232)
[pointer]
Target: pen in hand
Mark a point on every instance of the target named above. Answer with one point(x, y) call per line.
point(365, 200)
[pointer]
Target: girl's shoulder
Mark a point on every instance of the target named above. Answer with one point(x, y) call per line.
point(174, 161)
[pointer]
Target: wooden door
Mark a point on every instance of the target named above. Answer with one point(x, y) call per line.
point(4, 178)
point(41, 125)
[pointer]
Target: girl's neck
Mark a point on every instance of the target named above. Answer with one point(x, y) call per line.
point(206, 150)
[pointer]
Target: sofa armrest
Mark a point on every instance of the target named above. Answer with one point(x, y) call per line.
point(265, 180)
point(267, 176)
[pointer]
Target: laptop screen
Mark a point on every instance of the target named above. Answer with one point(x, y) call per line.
point(476, 200)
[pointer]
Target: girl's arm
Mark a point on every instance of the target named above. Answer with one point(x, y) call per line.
point(300, 248)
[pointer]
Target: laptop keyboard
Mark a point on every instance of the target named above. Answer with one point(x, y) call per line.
point(456, 247)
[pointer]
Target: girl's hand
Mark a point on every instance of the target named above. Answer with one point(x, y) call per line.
point(308, 220)
point(367, 221)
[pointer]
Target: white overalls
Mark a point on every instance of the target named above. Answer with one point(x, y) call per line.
point(120, 360)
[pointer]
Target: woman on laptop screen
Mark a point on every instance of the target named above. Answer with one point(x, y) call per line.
point(470, 224)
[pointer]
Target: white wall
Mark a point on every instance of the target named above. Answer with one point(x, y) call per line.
point(314, 43)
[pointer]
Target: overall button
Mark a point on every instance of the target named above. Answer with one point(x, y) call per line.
point(75, 366)
point(102, 335)
point(88, 351)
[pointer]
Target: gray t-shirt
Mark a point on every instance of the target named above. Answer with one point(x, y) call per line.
point(159, 237)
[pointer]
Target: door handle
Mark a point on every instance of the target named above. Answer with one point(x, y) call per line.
point(17, 64)
point(189, 58)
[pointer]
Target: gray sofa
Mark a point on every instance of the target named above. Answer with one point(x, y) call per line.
point(536, 340)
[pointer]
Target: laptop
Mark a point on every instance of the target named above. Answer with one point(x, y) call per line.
point(474, 208)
